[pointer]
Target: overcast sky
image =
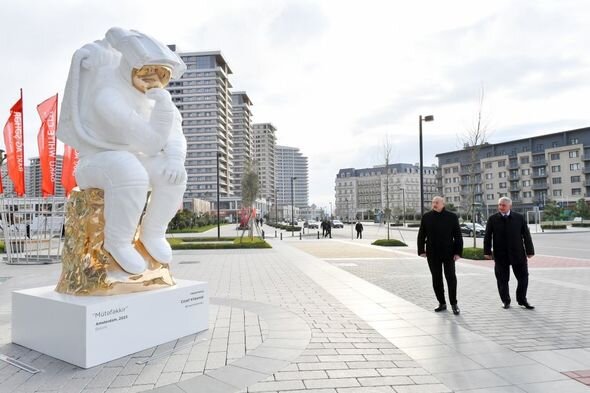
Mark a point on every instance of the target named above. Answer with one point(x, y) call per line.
point(337, 77)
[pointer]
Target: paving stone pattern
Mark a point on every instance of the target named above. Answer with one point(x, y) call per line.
point(561, 319)
point(344, 353)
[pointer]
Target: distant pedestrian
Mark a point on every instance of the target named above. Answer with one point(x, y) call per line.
point(325, 227)
point(359, 230)
point(261, 221)
point(441, 243)
point(329, 229)
point(508, 241)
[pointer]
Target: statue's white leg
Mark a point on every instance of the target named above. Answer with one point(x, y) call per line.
point(165, 200)
point(125, 184)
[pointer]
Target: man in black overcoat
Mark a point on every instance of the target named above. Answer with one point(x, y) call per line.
point(441, 243)
point(508, 241)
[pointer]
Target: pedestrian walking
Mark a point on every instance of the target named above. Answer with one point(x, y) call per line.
point(441, 243)
point(508, 241)
point(359, 230)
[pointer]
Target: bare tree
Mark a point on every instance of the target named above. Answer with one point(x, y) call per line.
point(250, 190)
point(473, 139)
point(386, 155)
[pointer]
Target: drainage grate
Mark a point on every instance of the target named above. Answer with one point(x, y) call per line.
point(189, 262)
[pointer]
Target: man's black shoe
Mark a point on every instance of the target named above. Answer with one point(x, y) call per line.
point(507, 305)
point(526, 305)
point(455, 308)
point(441, 307)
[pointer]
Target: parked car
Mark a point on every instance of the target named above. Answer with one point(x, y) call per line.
point(312, 224)
point(467, 229)
point(336, 224)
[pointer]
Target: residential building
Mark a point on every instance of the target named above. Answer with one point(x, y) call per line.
point(8, 186)
point(364, 192)
point(242, 137)
point(202, 95)
point(530, 171)
point(291, 164)
point(33, 183)
point(264, 158)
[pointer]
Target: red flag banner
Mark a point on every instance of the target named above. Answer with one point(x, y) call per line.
point(47, 144)
point(70, 161)
point(13, 140)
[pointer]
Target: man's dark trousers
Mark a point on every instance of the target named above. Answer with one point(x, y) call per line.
point(436, 269)
point(521, 272)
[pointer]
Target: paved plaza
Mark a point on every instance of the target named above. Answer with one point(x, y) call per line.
point(339, 316)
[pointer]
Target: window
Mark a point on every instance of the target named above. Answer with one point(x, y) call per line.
point(575, 167)
point(556, 180)
point(574, 154)
point(575, 179)
point(447, 189)
point(502, 175)
point(527, 194)
point(556, 192)
point(525, 172)
point(489, 176)
point(488, 165)
point(574, 141)
point(556, 168)
point(576, 191)
point(526, 183)
point(501, 163)
point(524, 160)
point(502, 185)
point(555, 156)
point(447, 171)
point(455, 169)
point(489, 186)
point(490, 197)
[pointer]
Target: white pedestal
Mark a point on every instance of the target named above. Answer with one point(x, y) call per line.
point(90, 330)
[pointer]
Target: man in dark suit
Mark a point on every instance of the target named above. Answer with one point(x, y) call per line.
point(441, 243)
point(507, 233)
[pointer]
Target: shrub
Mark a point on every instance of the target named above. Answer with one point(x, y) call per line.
point(581, 224)
point(473, 253)
point(389, 243)
point(396, 224)
point(413, 225)
point(553, 226)
point(213, 244)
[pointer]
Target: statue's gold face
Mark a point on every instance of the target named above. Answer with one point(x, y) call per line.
point(150, 76)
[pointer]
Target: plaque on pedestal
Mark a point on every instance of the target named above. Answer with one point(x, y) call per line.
point(91, 330)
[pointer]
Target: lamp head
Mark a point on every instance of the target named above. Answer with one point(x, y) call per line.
point(428, 118)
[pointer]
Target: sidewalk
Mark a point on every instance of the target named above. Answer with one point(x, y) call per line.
point(285, 320)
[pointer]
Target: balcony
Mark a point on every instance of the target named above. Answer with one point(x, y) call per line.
point(513, 165)
point(514, 188)
point(537, 163)
point(540, 186)
point(514, 177)
point(537, 175)
point(587, 169)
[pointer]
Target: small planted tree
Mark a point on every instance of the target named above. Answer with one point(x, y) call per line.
point(552, 212)
point(250, 189)
point(582, 209)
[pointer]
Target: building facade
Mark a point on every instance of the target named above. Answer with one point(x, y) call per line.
point(291, 164)
point(33, 183)
point(242, 137)
point(264, 158)
point(362, 193)
point(530, 171)
point(202, 95)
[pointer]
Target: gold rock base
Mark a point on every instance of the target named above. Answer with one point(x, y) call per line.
point(87, 269)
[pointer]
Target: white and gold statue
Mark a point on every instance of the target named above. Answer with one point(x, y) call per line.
point(128, 134)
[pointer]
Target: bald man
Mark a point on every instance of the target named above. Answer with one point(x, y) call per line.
point(441, 243)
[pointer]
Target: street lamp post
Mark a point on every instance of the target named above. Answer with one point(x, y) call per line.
point(330, 210)
point(218, 219)
point(292, 208)
point(403, 205)
point(421, 119)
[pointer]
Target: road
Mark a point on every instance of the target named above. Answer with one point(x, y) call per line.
point(570, 243)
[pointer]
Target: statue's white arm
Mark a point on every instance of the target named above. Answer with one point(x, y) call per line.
point(175, 151)
point(125, 126)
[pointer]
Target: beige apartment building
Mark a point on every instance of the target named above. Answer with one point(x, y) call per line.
point(364, 192)
point(264, 158)
point(530, 171)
